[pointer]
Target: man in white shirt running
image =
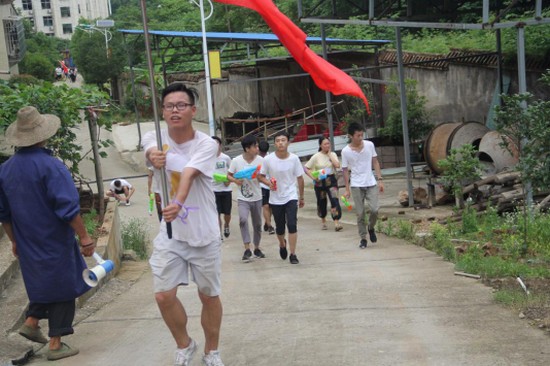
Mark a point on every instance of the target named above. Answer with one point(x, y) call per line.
point(249, 196)
point(222, 190)
point(285, 171)
point(359, 157)
point(194, 250)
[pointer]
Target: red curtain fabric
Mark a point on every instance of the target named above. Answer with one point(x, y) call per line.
point(325, 75)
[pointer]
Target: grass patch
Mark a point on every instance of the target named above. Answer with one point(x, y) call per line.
point(135, 236)
point(91, 222)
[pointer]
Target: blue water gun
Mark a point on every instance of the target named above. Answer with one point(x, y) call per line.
point(247, 173)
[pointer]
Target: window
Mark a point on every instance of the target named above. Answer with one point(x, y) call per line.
point(65, 12)
point(46, 4)
point(67, 28)
point(27, 4)
point(48, 21)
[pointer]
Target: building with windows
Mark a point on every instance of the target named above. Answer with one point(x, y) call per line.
point(60, 17)
point(12, 40)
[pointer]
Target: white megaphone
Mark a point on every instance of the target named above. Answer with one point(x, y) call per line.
point(94, 275)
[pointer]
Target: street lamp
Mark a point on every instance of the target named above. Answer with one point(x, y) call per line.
point(211, 123)
point(101, 26)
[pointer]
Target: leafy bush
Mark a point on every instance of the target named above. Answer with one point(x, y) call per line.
point(37, 65)
point(135, 235)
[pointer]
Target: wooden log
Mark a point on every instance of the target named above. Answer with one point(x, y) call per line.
point(503, 178)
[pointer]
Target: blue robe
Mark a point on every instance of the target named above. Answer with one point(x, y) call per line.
point(38, 197)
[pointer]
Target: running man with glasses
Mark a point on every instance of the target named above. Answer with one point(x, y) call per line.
point(189, 159)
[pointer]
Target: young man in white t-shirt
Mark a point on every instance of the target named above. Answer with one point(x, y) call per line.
point(285, 171)
point(359, 157)
point(195, 246)
point(249, 196)
point(121, 190)
point(222, 190)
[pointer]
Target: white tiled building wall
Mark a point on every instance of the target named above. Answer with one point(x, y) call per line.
point(60, 17)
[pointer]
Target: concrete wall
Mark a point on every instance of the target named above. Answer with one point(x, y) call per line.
point(463, 93)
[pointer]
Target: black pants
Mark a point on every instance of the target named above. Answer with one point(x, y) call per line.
point(325, 190)
point(286, 214)
point(60, 316)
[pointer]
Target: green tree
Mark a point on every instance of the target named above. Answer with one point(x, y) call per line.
point(527, 120)
point(62, 101)
point(460, 167)
point(95, 63)
point(418, 116)
point(37, 65)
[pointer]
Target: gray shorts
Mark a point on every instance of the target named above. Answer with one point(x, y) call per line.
point(172, 259)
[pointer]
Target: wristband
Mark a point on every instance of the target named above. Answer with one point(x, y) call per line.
point(177, 203)
point(87, 245)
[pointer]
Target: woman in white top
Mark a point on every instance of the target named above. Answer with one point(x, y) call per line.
point(326, 183)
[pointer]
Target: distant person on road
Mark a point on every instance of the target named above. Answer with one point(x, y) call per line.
point(325, 163)
point(222, 190)
point(286, 172)
point(40, 213)
point(195, 245)
point(249, 196)
point(359, 157)
point(263, 147)
point(121, 190)
point(58, 73)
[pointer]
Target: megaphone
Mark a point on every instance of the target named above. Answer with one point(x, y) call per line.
point(94, 275)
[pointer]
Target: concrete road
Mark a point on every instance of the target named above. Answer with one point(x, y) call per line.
point(391, 304)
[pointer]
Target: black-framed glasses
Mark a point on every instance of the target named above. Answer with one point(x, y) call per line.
point(179, 106)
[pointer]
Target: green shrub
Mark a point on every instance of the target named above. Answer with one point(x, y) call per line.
point(90, 222)
point(135, 236)
point(406, 230)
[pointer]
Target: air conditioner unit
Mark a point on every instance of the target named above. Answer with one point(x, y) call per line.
point(52, 28)
point(30, 12)
point(49, 11)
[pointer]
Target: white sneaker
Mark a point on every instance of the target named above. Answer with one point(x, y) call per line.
point(184, 356)
point(212, 359)
point(128, 203)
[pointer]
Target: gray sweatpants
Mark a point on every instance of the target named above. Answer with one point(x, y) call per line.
point(255, 211)
point(360, 194)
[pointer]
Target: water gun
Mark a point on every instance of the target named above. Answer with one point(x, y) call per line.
point(151, 203)
point(220, 178)
point(248, 173)
point(346, 203)
point(321, 173)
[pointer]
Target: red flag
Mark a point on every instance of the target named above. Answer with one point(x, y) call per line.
point(325, 75)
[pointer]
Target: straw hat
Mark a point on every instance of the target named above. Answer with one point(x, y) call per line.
point(31, 127)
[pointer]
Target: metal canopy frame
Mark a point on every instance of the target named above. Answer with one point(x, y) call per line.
point(485, 25)
point(163, 41)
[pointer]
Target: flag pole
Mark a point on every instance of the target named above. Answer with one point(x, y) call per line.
point(164, 182)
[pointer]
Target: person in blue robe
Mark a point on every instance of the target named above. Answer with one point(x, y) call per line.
point(40, 213)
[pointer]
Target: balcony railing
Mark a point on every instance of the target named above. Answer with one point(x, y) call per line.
point(15, 38)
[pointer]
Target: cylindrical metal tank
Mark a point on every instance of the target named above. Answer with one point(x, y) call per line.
point(494, 156)
point(451, 135)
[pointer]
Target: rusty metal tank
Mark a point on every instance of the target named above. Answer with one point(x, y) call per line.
point(451, 135)
point(494, 155)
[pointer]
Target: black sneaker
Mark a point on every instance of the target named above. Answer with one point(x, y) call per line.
point(226, 232)
point(293, 259)
point(363, 244)
point(258, 253)
point(266, 227)
point(247, 255)
point(283, 252)
point(372, 236)
point(271, 230)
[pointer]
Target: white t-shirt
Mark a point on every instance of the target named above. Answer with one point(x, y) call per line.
point(222, 166)
point(201, 225)
point(267, 176)
point(123, 183)
point(250, 190)
point(285, 171)
point(360, 164)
